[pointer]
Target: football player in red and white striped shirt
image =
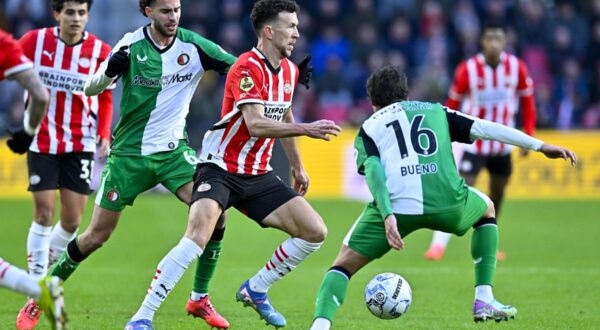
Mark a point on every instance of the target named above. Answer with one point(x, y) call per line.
point(236, 172)
point(61, 154)
point(15, 65)
point(492, 85)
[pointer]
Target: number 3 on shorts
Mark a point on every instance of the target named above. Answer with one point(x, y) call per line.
point(86, 170)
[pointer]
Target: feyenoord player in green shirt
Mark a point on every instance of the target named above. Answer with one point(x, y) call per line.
point(404, 151)
point(160, 66)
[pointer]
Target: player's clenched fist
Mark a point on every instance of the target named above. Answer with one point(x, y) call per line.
point(118, 63)
point(19, 141)
point(321, 129)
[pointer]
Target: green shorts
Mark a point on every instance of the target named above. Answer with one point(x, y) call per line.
point(367, 235)
point(125, 177)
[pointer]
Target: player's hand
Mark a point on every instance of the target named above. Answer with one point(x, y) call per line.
point(118, 63)
point(103, 147)
point(19, 141)
point(322, 129)
point(523, 152)
point(301, 181)
point(392, 234)
point(306, 71)
point(552, 151)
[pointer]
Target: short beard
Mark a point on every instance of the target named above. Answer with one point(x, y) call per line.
point(163, 31)
point(283, 53)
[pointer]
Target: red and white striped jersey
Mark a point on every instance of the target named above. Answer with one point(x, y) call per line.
point(493, 93)
point(73, 119)
point(251, 79)
point(12, 59)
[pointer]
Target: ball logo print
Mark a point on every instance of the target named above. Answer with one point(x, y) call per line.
point(34, 179)
point(85, 62)
point(388, 296)
point(287, 88)
point(183, 59)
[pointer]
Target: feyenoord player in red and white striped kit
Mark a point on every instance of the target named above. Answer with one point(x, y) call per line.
point(492, 85)
point(61, 153)
point(234, 169)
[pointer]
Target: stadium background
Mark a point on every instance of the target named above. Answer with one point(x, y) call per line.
point(559, 41)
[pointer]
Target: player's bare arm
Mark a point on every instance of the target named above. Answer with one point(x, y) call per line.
point(292, 152)
point(261, 126)
point(38, 102)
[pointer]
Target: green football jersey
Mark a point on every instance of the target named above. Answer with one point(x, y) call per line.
point(157, 89)
point(413, 143)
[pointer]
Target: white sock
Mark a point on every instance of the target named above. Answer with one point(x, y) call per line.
point(484, 293)
point(440, 238)
point(321, 324)
point(58, 242)
point(38, 245)
point(286, 257)
point(18, 280)
point(195, 296)
point(168, 273)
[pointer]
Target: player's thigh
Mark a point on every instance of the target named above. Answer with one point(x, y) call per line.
point(76, 172)
point(475, 208)
point(123, 179)
point(367, 235)
point(72, 205)
point(175, 170)
point(297, 218)
point(44, 171)
point(202, 219)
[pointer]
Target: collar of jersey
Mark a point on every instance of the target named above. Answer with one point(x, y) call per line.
point(267, 63)
point(160, 51)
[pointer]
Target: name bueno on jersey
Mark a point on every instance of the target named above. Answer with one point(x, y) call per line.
point(71, 121)
point(250, 80)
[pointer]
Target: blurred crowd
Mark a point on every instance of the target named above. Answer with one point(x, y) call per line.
point(559, 40)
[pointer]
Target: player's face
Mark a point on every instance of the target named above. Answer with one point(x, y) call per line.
point(73, 18)
point(165, 16)
point(285, 33)
point(493, 42)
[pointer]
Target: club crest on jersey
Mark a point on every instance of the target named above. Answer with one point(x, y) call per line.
point(85, 62)
point(183, 59)
point(141, 60)
point(287, 88)
point(112, 195)
point(246, 84)
point(204, 186)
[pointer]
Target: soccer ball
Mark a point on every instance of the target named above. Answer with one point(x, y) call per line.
point(388, 296)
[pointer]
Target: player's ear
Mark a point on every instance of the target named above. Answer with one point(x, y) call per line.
point(268, 31)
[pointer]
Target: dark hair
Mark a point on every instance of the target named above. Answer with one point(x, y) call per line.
point(57, 5)
point(144, 4)
point(266, 10)
point(386, 86)
point(493, 25)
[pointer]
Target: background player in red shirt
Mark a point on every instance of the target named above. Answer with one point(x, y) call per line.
point(61, 154)
point(492, 85)
point(235, 171)
point(15, 65)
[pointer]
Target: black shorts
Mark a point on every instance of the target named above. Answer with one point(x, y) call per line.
point(254, 195)
point(49, 172)
point(497, 165)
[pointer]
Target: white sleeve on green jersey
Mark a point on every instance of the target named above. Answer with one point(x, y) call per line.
point(99, 82)
point(487, 130)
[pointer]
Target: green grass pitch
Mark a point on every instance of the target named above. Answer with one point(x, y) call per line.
point(551, 273)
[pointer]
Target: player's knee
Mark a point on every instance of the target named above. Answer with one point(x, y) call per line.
point(44, 214)
point(491, 211)
point(70, 224)
point(315, 233)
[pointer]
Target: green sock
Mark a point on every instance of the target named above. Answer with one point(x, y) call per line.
point(207, 263)
point(484, 245)
point(331, 294)
point(64, 267)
